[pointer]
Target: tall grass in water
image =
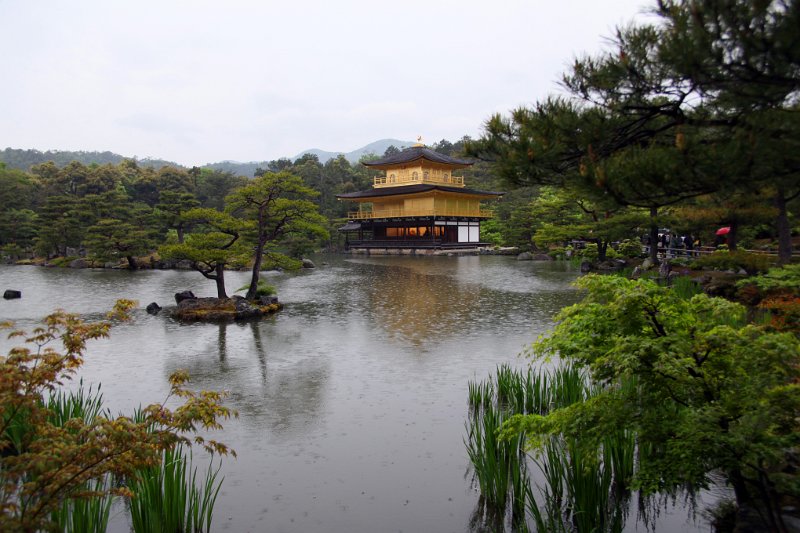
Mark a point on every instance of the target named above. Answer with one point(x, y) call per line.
point(81, 515)
point(85, 515)
point(583, 490)
point(168, 498)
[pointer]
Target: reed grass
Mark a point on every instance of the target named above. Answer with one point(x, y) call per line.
point(90, 511)
point(85, 515)
point(170, 497)
point(83, 403)
point(584, 490)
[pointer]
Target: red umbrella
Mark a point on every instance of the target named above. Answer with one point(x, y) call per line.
point(724, 231)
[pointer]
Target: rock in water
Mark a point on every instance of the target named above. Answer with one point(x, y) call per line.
point(153, 308)
point(308, 263)
point(11, 294)
point(525, 256)
point(185, 295)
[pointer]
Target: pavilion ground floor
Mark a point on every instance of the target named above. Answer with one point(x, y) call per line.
point(413, 233)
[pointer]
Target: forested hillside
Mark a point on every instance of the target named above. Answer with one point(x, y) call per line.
point(25, 159)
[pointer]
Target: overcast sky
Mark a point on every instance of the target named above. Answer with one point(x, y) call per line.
point(198, 82)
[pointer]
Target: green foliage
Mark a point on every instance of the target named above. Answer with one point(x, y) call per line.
point(589, 252)
point(214, 246)
point(491, 232)
point(18, 228)
point(703, 390)
point(279, 206)
point(685, 287)
point(776, 279)
point(170, 208)
point(623, 134)
point(264, 289)
point(279, 261)
point(724, 260)
point(56, 454)
point(60, 226)
point(111, 239)
point(630, 248)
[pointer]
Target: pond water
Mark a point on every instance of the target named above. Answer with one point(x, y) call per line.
point(352, 400)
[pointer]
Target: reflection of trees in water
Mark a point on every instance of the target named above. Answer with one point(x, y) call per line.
point(287, 393)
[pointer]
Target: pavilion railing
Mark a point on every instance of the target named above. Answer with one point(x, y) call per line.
point(398, 213)
point(452, 181)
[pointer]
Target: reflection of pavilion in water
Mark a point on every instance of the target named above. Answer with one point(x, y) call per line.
point(420, 305)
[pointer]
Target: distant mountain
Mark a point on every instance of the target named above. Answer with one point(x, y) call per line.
point(24, 159)
point(248, 169)
point(376, 148)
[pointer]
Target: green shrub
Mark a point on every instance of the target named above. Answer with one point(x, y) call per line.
point(61, 261)
point(785, 278)
point(725, 260)
point(558, 253)
point(589, 253)
point(612, 253)
point(262, 289)
point(630, 248)
point(265, 289)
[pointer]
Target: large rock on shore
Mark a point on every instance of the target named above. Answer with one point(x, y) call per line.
point(184, 295)
point(222, 309)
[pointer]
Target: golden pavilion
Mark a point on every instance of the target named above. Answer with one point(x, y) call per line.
point(418, 204)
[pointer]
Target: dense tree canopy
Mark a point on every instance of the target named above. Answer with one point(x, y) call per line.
point(701, 102)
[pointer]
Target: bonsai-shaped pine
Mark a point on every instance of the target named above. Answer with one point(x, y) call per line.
point(44, 463)
point(277, 206)
point(215, 246)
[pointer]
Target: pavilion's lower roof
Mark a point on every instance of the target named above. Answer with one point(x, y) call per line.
point(414, 189)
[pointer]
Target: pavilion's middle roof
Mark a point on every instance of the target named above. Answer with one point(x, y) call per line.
point(414, 189)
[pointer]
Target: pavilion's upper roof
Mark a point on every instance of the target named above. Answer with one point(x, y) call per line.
point(416, 153)
point(414, 189)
